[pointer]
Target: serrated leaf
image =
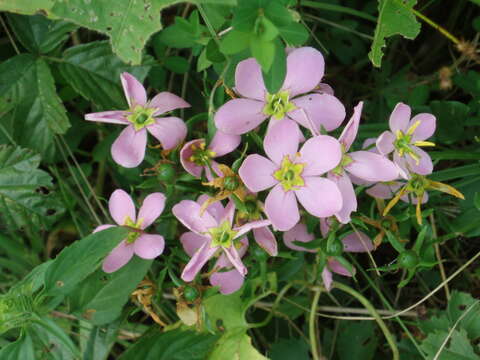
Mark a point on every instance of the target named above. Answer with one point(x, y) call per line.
point(39, 34)
point(235, 345)
point(24, 200)
point(458, 304)
point(395, 17)
point(80, 259)
point(171, 345)
point(459, 347)
point(85, 68)
point(31, 109)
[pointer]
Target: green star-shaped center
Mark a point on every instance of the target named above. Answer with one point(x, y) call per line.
point(277, 105)
point(201, 155)
point(222, 235)
point(133, 235)
point(141, 117)
point(289, 174)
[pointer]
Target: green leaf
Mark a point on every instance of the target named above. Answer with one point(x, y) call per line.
point(289, 349)
point(275, 77)
point(84, 67)
point(179, 35)
point(51, 335)
point(237, 345)
point(80, 259)
point(278, 13)
point(20, 349)
point(448, 113)
point(25, 6)
point(263, 51)
point(395, 17)
point(459, 347)
point(39, 34)
point(458, 304)
point(265, 30)
point(171, 345)
point(100, 341)
point(103, 295)
point(357, 340)
point(32, 111)
point(177, 64)
point(26, 197)
point(294, 34)
point(213, 53)
point(234, 41)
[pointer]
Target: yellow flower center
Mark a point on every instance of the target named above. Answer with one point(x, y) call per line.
point(222, 235)
point(133, 235)
point(277, 105)
point(403, 143)
point(200, 154)
point(141, 117)
point(289, 174)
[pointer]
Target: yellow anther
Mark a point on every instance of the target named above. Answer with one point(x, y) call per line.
point(423, 143)
point(413, 127)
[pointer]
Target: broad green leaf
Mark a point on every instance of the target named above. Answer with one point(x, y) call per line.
point(80, 259)
point(263, 51)
point(26, 7)
point(237, 345)
point(448, 113)
point(228, 309)
point(395, 17)
point(104, 295)
point(85, 68)
point(32, 111)
point(20, 349)
point(50, 334)
point(234, 41)
point(39, 34)
point(289, 349)
point(177, 64)
point(458, 304)
point(275, 77)
point(459, 347)
point(171, 345)
point(357, 340)
point(294, 34)
point(26, 197)
point(100, 341)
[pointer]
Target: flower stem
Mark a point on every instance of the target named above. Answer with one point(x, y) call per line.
point(312, 328)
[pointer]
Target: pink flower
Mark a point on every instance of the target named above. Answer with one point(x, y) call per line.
point(405, 138)
point(213, 230)
point(294, 175)
point(122, 210)
point(364, 165)
point(142, 116)
point(387, 190)
point(196, 157)
point(227, 277)
point(305, 69)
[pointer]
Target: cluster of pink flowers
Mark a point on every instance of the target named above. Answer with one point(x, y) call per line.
point(307, 171)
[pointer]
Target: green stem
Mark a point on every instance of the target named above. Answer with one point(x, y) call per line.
point(369, 307)
point(312, 328)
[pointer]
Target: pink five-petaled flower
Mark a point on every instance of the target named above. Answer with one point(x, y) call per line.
point(216, 232)
point(365, 165)
point(196, 157)
point(405, 138)
point(146, 246)
point(294, 175)
point(226, 276)
point(128, 149)
point(305, 69)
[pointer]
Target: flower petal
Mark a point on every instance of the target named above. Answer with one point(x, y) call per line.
point(256, 173)
point(399, 118)
point(170, 131)
point(191, 242)
point(223, 144)
point(372, 167)
point(249, 80)
point(128, 149)
point(223, 262)
point(350, 131)
point(149, 246)
point(348, 196)
point(235, 259)
point(165, 102)
point(215, 209)
point(298, 233)
point(384, 190)
point(227, 281)
point(188, 213)
point(338, 268)
point(414, 200)
point(111, 117)
point(281, 140)
point(385, 142)
point(320, 197)
point(266, 240)
point(118, 257)
point(121, 206)
point(426, 128)
point(239, 116)
point(201, 256)
point(151, 209)
point(323, 88)
point(242, 230)
point(320, 154)
point(357, 242)
point(327, 278)
point(186, 153)
point(102, 227)
point(305, 69)
point(281, 208)
point(322, 110)
point(133, 90)
point(424, 166)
